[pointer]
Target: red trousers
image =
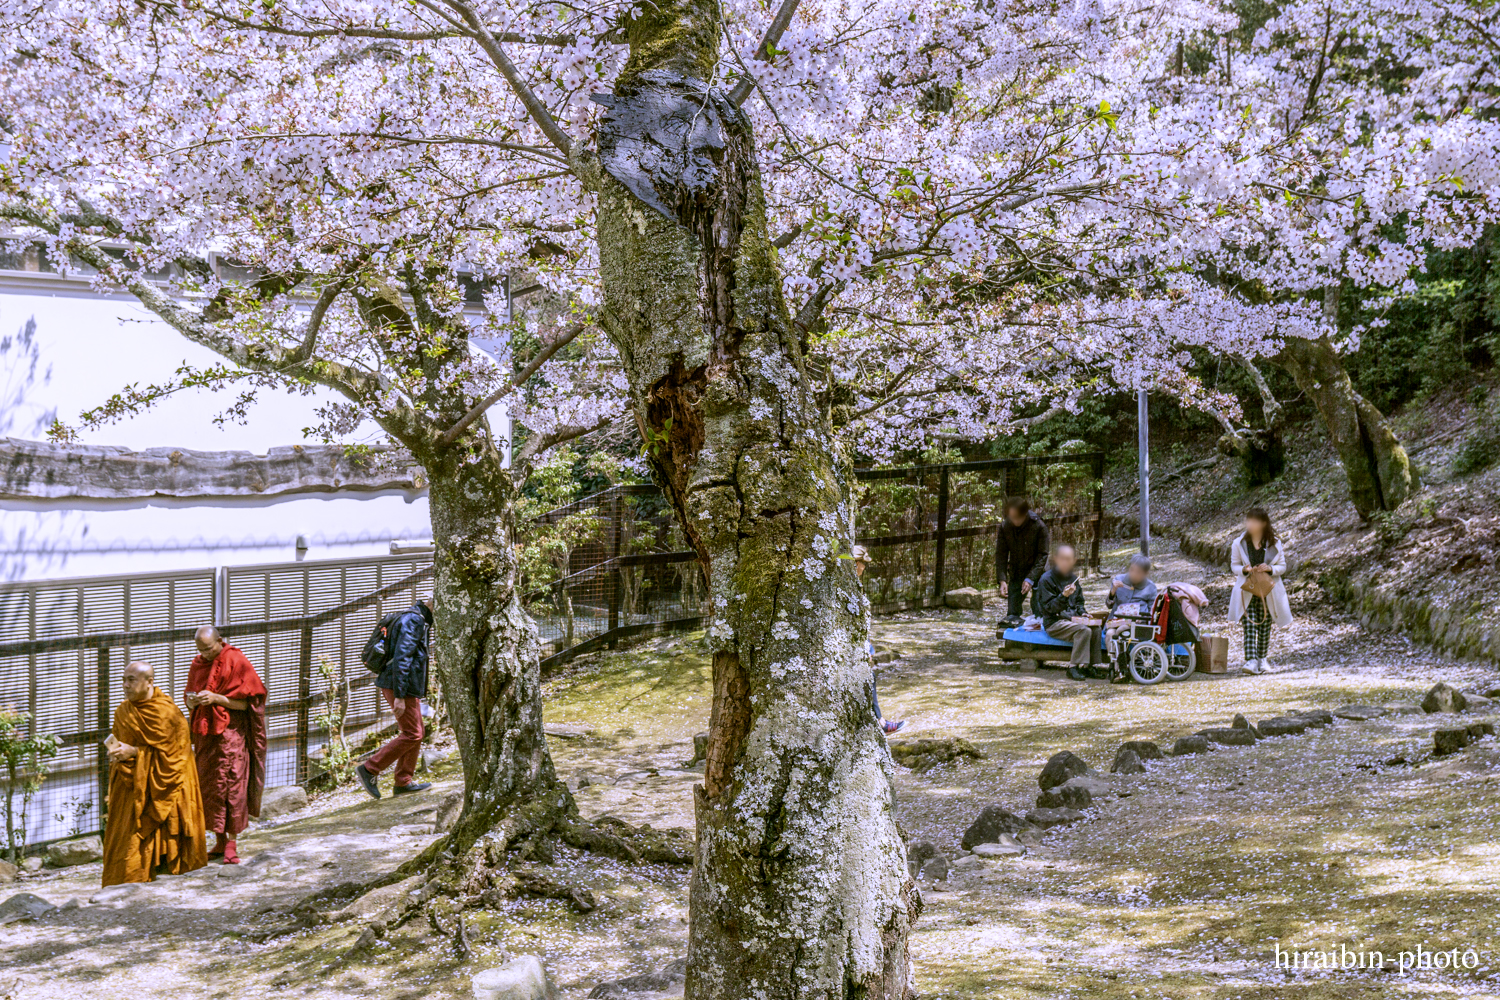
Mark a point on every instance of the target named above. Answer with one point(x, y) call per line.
point(406, 748)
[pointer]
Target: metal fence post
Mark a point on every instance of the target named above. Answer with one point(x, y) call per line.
point(304, 695)
point(942, 536)
point(1098, 508)
point(104, 729)
point(614, 583)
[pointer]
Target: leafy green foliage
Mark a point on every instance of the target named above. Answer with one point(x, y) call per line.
point(23, 757)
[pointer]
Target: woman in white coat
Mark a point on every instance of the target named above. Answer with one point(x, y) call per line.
point(1258, 548)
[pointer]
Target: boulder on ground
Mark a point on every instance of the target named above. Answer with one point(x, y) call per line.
point(966, 598)
point(523, 978)
point(1060, 767)
point(700, 747)
point(1442, 697)
point(925, 754)
point(1404, 708)
point(1144, 749)
point(1479, 730)
point(1476, 702)
point(1239, 722)
point(431, 757)
point(1189, 744)
point(24, 906)
point(919, 854)
point(1230, 737)
point(1281, 725)
point(1127, 761)
point(1360, 713)
point(282, 801)
point(33, 864)
point(1493, 693)
point(997, 851)
point(8, 872)
point(1046, 818)
point(449, 808)
point(1446, 741)
point(669, 977)
point(1065, 796)
point(66, 853)
point(934, 869)
point(1312, 716)
point(991, 823)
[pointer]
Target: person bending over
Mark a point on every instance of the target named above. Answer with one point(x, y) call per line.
point(1021, 547)
point(1059, 597)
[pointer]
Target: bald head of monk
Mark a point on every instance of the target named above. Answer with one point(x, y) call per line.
point(140, 681)
point(210, 643)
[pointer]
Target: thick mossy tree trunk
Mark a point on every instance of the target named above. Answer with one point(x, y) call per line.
point(487, 654)
point(1379, 473)
point(800, 887)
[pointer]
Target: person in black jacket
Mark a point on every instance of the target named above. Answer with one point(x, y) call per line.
point(1059, 597)
point(403, 683)
point(1021, 548)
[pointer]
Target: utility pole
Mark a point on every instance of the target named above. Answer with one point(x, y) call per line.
point(1144, 447)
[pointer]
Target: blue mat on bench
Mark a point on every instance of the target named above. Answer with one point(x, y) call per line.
point(1035, 637)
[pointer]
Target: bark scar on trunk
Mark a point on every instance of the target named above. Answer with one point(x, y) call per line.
point(729, 723)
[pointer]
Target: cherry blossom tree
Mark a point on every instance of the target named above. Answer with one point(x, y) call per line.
point(797, 229)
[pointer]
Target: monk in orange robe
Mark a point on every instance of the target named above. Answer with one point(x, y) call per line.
point(227, 702)
point(155, 821)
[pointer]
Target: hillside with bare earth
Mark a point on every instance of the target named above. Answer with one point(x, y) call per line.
point(1429, 570)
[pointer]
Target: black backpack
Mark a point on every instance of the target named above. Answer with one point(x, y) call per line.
point(381, 645)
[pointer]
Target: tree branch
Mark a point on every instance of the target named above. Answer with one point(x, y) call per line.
point(478, 409)
point(533, 104)
point(562, 435)
point(779, 24)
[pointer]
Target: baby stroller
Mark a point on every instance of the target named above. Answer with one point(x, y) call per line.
point(1157, 646)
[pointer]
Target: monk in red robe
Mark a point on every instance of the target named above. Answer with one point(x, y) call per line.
point(155, 821)
point(228, 705)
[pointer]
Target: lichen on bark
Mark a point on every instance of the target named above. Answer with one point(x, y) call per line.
point(800, 887)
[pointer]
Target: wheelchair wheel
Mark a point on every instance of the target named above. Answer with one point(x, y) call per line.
point(1180, 666)
point(1149, 663)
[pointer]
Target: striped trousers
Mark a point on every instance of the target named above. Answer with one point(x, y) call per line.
point(1257, 622)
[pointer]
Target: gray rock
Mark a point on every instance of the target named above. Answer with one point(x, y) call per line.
point(24, 906)
point(282, 801)
point(412, 829)
point(237, 872)
point(935, 869)
point(883, 656)
point(9, 872)
point(1047, 818)
point(1360, 713)
point(918, 854)
point(669, 977)
point(115, 893)
point(568, 730)
point(522, 978)
point(1442, 697)
point(1065, 796)
point(1479, 730)
point(998, 851)
point(74, 852)
point(1144, 749)
point(1446, 741)
point(1060, 767)
point(1404, 708)
point(1476, 702)
point(1281, 725)
point(988, 827)
point(1239, 722)
point(33, 864)
point(1313, 716)
point(1230, 737)
point(448, 811)
point(700, 747)
point(432, 757)
point(1189, 744)
point(966, 598)
point(1127, 761)
point(1493, 693)
point(969, 861)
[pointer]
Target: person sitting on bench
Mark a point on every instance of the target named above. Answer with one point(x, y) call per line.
point(1059, 597)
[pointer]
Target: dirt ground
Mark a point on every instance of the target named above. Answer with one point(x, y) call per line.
point(1181, 884)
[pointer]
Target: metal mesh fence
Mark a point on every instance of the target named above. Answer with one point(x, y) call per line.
point(609, 566)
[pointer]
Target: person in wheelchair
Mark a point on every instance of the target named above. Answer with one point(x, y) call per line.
point(1132, 592)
